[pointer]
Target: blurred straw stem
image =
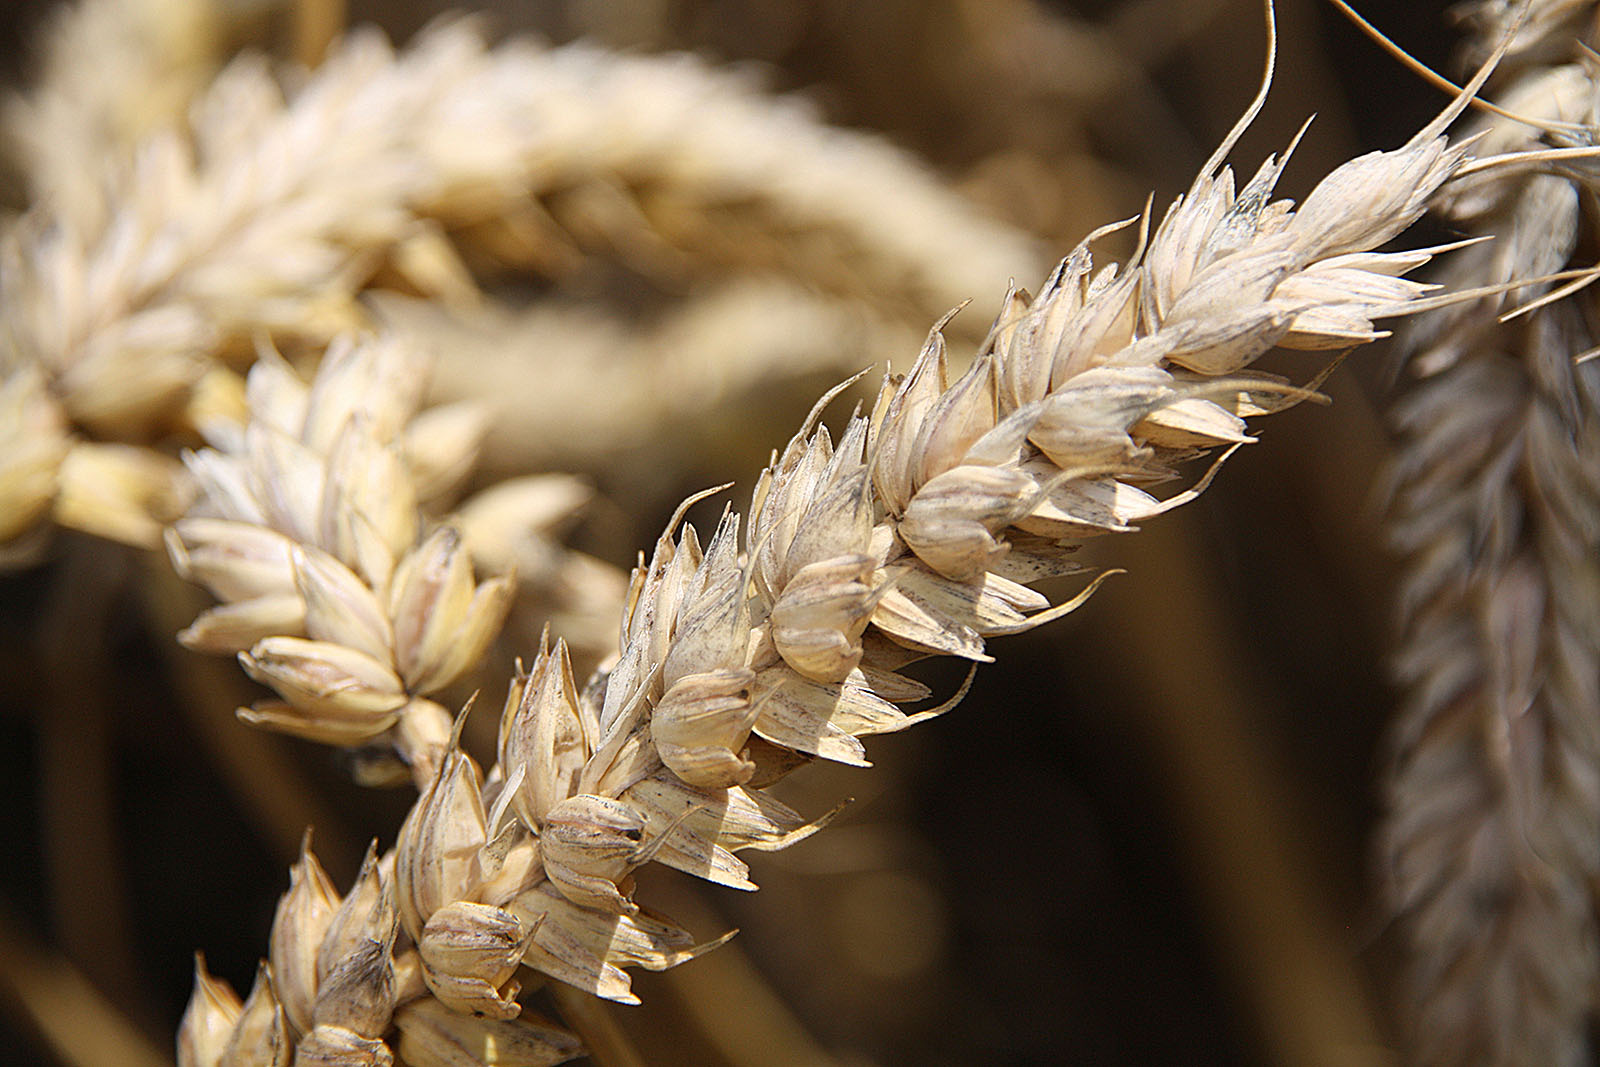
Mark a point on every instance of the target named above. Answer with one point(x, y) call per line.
point(591, 1018)
point(1245, 829)
point(79, 1025)
point(272, 791)
point(78, 808)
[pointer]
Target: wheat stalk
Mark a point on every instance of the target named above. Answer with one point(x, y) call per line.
point(914, 535)
point(1492, 841)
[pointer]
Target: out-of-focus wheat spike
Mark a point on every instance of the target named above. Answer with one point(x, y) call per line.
point(514, 527)
point(1491, 846)
point(149, 57)
point(121, 492)
point(1542, 38)
point(662, 151)
point(719, 345)
point(270, 213)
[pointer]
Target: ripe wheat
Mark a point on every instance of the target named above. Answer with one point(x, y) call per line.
point(781, 638)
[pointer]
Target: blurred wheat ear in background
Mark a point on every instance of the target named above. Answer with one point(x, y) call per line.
point(1492, 842)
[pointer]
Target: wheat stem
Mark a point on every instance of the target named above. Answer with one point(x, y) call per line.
point(78, 775)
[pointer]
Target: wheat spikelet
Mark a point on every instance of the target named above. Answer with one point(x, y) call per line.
point(914, 535)
point(1493, 836)
point(335, 593)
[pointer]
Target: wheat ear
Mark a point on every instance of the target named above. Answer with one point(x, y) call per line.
point(914, 535)
point(1492, 840)
point(268, 214)
point(248, 220)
